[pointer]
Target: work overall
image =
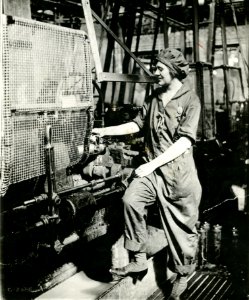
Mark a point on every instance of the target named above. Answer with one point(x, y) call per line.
point(175, 185)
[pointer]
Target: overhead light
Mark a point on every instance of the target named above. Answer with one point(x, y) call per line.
point(48, 12)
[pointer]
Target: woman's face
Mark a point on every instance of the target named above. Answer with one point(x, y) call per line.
point(163, 74)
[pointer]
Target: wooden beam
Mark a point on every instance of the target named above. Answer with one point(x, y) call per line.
point(110, 45)
point(115, 77)
point(196, 31)
point(105, 76)
point(121, 44)
point(92, 36)
point(211, 33)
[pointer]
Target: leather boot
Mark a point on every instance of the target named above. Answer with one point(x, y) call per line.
point(139, 265)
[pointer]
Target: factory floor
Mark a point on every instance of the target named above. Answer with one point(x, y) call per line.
point(79, 286)
point(201, 286)
point(204, 284)
point(82, 286)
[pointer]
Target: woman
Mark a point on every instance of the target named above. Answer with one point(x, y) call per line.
point(169, 121)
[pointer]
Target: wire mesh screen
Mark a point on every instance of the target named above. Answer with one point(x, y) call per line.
point(46, 81)
point(49, 66)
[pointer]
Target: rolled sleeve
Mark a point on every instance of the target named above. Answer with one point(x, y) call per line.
point(189, 123)
point(140, 118)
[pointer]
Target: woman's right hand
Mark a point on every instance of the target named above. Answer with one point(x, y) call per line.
point(99, 131)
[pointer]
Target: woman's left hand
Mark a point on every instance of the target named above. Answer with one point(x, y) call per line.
point(145, 169)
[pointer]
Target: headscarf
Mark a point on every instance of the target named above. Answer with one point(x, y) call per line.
point(175, 60)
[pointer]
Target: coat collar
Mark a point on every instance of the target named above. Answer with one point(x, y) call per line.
point(184, 89)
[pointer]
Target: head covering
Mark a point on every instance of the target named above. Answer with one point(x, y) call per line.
point(175, 60)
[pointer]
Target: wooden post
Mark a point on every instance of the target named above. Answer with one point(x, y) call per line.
point(211, 33)
point(92, 36)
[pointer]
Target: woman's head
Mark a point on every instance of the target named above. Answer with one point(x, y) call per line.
point(175, 62)
point(164, 74)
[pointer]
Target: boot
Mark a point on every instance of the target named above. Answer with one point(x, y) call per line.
point(139, 266)
point(179, 286)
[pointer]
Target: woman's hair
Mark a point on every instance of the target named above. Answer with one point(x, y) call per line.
point(175, 61)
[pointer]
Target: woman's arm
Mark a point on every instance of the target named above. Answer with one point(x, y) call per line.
point(127, 128)
point(175, 150)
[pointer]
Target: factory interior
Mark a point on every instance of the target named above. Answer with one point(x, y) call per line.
point(69, 66)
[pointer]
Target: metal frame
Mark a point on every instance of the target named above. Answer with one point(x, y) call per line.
point(106, 76)
point(13, 115)
point(199, 69)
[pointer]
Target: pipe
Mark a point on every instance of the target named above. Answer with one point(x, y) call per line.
point(27, 203)
point(45, 220)
point(108, 191)
point(50, 169)
point(90, 184)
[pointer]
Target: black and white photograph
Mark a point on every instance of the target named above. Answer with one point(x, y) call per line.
point(124, 150)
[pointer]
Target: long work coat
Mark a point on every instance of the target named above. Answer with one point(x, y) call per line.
point(174, 185)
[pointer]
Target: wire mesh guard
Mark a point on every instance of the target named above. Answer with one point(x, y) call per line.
point(46, 81)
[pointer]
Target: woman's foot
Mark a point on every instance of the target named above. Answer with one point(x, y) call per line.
point(139, 265)
point(130, 269)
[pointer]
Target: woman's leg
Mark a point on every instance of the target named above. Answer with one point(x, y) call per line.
point(139, 195)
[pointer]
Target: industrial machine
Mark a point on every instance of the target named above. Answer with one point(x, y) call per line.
point(53, 170)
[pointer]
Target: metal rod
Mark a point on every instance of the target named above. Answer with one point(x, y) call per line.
point(165, 24)
point(50, 168)
point(226, 67)
point(171, 21)
point(90, 184)
point(196, 31)
point(102, 100)
point(212, 101)
point(108, 191)
point(26, 204)
point(225, 56)
point(200, 93)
